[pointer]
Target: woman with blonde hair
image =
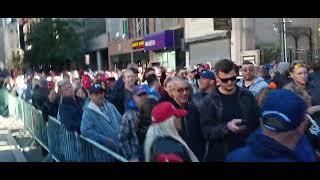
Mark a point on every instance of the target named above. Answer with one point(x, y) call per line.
point(163, 142)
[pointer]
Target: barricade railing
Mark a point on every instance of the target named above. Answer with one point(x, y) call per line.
point(61, 144)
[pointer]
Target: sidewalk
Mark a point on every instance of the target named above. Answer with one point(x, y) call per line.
point(9, 151)
point(16, 143)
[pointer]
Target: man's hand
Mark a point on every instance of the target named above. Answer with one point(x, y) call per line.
point(233, 127)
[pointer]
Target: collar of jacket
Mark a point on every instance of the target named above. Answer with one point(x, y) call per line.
point(92, 106)
point(218, 103)
point(67, 99)
point(268, 147)
point(176, 105)
point(132, 105)
point(241, 91)
point(256, 80)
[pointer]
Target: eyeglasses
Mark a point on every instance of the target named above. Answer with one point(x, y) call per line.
point(181, 90)
point(226, 80)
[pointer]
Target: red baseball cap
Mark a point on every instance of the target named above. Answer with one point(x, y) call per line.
point(164, 110)
point(51, 85)
point(206, 66)
point(104, 77)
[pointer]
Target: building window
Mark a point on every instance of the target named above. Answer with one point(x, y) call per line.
point(138, 27)
point(125, 28)
point(146, 26)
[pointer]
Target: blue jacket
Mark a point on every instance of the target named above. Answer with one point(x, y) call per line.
point(100, 126)
point(258, 84)
point(152, 93)
point(70, 113)
point(261, 148)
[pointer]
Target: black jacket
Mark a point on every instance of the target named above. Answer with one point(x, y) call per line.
point(281, 80)
point(215, 130)
point(168, 145)
point(191, 130)
point(145, 121)
point(49, 109)
point(70, 113)
point(117, 97)
point(198, 97)
point(165, 97)
point(39, 96)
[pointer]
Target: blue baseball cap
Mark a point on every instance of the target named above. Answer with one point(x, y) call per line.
point(96, 88)
point(208, 75)
point(138, 90)
point(283, 111)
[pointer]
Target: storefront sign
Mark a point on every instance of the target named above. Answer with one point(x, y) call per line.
point(158, 41)
point(138, 44)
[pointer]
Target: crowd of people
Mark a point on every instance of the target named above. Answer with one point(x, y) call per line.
point(195, 114)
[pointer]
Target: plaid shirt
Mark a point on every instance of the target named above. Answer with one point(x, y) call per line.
point(129, 142)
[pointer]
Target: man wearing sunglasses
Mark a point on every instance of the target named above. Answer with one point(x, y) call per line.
point(251, 82)
point(228, 115)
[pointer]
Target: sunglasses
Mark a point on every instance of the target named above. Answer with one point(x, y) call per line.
point(181, 90)
point(226, 80)
point(299, 65)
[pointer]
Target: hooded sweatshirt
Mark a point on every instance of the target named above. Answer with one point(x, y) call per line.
point(258, 84)
point(261, 148)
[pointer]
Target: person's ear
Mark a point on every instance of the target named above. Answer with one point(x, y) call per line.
point(291, 74)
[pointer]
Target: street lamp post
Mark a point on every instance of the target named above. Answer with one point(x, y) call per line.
point(284, 39)
point(283, 34)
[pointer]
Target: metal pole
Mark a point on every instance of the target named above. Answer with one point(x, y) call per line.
point(284, 40)
point(281, 39)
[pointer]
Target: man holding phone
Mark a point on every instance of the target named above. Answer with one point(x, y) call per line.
point(228, 115)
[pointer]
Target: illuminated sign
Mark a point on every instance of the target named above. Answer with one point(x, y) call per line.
point(138, 44)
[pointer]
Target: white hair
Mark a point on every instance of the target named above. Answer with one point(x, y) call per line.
point(165, 128)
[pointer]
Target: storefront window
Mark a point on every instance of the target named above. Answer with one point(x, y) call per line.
point(167, 59)
point(125, 28)
point(120, 61)
point(167, 23)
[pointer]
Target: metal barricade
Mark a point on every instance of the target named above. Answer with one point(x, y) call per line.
point(95, 152)
point(62, 145)
point(40, 128)
point(12, 103)
point(4, 102)
point(54, 139)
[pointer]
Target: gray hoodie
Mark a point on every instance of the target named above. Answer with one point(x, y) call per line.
point(256, 86)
